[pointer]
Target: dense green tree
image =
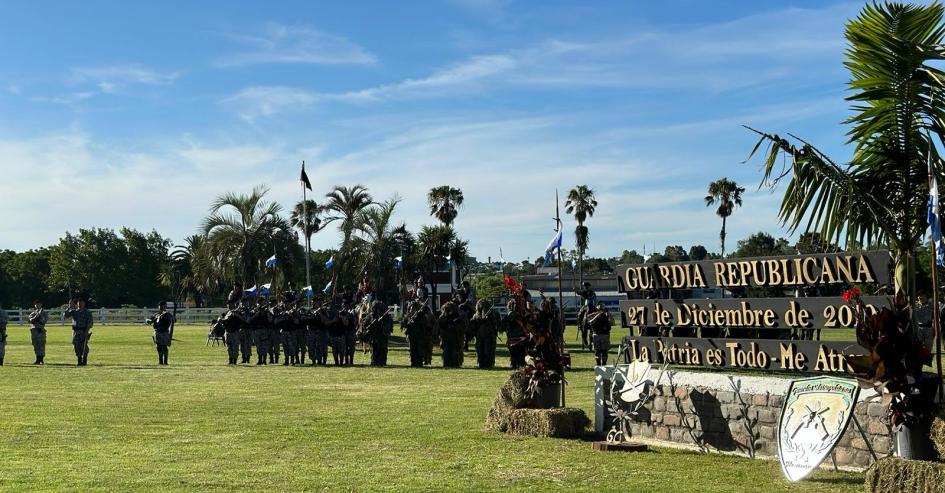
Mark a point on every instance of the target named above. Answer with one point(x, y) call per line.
point(698, 252)
point(344, 205)
point(444, 202)
point(813, 242)
point(762, 244)
point(675, 253)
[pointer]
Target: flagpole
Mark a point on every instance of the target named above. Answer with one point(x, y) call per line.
point(308, 248)
point(560, 314)
point(936, 319)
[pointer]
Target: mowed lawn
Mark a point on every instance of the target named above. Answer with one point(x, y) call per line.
point(123, 423)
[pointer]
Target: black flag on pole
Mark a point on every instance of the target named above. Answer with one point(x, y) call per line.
point(304, 178)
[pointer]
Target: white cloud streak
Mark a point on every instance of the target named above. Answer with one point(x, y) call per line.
point(296, 44)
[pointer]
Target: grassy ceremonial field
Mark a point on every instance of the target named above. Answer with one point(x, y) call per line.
point(123, 423)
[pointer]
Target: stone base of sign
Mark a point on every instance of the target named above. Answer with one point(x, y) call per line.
point(905, 476)
point(620, 447)
point(729, 413)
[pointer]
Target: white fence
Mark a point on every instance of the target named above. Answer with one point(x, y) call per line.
point(131, 316)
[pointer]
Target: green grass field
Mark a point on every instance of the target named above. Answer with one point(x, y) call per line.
point(123, 423)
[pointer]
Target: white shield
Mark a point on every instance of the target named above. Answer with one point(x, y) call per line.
point(816, 412)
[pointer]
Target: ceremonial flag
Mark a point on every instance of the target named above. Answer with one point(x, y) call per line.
point(271, 262)
point(934, 218)
point(399, 262)
point(308, 291)
point(501, 262)
point(330, 263)
point(249, 293)
point(327, 287)
point(553, 245)
point(304, 178)
point(573, 265)
point(264, 289)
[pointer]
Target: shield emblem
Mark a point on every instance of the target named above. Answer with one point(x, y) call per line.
point(815, 415)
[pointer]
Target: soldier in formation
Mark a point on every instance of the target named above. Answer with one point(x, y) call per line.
point(81, 329)
point(600, 323)
point(486, 325)
point(588, 304)
point(37, 318)
point(452, 329)
point(375, 330)
point(161, 321)
point(419, 324)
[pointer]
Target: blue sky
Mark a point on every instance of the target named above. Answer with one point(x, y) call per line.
point(137, 114)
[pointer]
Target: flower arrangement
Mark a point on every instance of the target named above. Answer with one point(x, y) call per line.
point(889, 367)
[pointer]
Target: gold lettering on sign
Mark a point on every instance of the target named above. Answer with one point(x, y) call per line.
point(698, 280)
point(864, 274)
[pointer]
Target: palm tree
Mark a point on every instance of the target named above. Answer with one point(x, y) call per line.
point(444, 203)
point(433, 245)
point(880, 195)
point(581, 203)
point(376, 240)
point(728, 195)
point(307, 219)
point(241, 231)
point(344, 204)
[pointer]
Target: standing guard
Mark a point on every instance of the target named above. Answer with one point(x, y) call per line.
point(38, 318)
point(452, 333)
point(588, 304)
point(516, 338)
point(349, 323)
point(275, 335)
point(486, 324)
point(259, 322)
point(233, 323)
point(418, 325)
point(336, 333)
point(246, 333)
point(600, 323)
point(161, 321)
point(81, 329)
point(376, 332)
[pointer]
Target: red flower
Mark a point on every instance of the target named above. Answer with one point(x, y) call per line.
point(851, 294)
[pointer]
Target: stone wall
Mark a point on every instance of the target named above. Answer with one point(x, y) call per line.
point(715, 412)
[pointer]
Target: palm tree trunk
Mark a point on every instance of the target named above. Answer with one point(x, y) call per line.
point(581, 269)
point(905, 273)
point(722, 236)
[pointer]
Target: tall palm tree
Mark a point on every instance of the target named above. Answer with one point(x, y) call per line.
point(897, 101)
point(344, 204)
point(581, 203)
point(728, 195)
point(444, 202)
point(240, 232)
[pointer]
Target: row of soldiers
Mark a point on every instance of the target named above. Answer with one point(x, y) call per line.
point(82, 322)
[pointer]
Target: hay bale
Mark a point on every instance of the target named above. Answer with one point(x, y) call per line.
point(938, 433)
point(560, 422)
point(906, 476)
point(511, 397)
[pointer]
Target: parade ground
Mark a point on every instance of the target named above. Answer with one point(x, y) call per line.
point(123, 423)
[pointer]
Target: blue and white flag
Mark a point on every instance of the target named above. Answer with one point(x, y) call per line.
point(573, 265)
point(264, 289)
point(271, 262)
point(308, 291)
point(501, 262)
point(935, 222)
point(330, 263)
point(553, 245)
point(249, 293)
point(327, 287)
point(399, 262)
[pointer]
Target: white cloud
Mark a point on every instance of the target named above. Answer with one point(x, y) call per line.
point(296, 44)
point(259, 101)
point(110, 78)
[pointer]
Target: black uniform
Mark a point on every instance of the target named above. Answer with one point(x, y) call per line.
point(161, 322)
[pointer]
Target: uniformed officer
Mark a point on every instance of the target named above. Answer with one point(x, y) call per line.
point(452, 335)
point(377, 332)
point(3, 334)
point(349, 323)
point(259, 322)
point(600, 323)
point(516, 339)
point(282, 320)
point(486, 324)
point(161, 321)
point(245, 333)
point(81, 329)
point(332, 319)
point(38, 318)
point(232, 323)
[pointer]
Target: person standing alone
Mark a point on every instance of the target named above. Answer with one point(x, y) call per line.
point(38, 318)
point(81, 329)
point(161, 321)
point(3, 334)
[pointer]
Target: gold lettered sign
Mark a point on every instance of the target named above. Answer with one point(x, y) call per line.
point(793, 271)
point(763, 313)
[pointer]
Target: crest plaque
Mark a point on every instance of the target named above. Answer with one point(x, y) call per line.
point(815, 415)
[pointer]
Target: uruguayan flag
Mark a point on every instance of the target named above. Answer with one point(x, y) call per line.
point(553, 245)
point(271, 262)
point(249, 293)
point(327, 287)
point(573, 265)
point(935, 222)
point(308, 291)
point(399, 262)
point(330, 263)
point(264, 289)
